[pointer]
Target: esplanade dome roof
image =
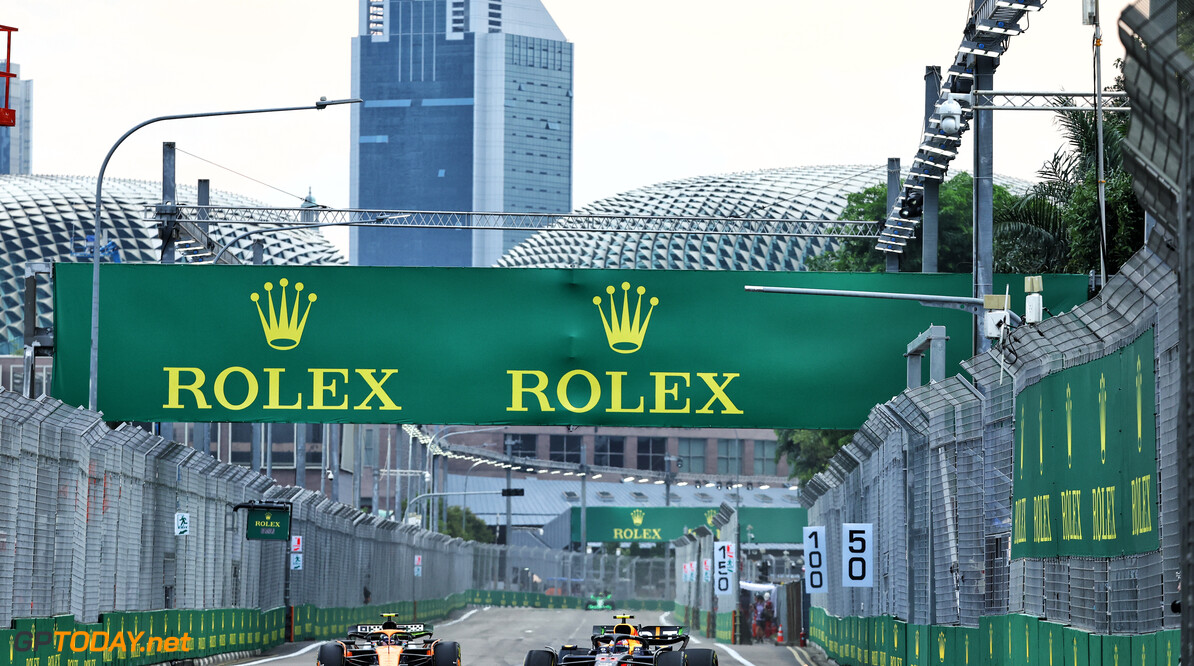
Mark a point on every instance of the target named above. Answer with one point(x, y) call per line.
point(48, 219)
point(790, 193)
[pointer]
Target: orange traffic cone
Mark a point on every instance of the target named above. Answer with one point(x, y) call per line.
point(779, 638)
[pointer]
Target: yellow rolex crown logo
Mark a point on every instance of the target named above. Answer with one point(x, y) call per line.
point(625, 336)
point(267, 516)
point(636, 517)
point(709, 516)
point(284, 328)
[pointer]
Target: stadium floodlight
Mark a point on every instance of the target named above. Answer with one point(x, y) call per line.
point(595, 476)
point(682, 483)
point(913, 204)
point(659, 482)
point(628, 479)
point(643, 480)
point(765, 486)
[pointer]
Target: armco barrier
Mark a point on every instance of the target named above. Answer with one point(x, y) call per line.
point(139, 638)
point(151, 637)
point(1004, 640)
point(719, 626)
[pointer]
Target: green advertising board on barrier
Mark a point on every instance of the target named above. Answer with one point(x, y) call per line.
point(999, 640)
point(659, 523)
point(1085, 463)
point(569, 347)
point(139, 638)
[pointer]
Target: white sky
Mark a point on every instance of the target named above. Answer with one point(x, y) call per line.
point(664, 89)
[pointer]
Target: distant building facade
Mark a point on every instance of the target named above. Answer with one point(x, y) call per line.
point(468, 107)
point(16, 143)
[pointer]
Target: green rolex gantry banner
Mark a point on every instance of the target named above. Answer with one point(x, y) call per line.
point(1085, 467)
point(516, 346)
point(646, 524)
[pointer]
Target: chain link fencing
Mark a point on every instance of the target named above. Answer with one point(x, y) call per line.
point(87, 526)
point(933, 468)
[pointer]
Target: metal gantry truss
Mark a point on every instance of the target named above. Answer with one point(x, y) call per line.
point(992, 24)
point(999, 100)
point(193, 245)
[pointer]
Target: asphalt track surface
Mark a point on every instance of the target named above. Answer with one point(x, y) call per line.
point(492, 636)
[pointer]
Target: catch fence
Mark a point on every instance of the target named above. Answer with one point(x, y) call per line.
point(88, 526)
point(1046, 490)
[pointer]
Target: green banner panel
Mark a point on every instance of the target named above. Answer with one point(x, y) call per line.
point(993, 630)
point(918, 644)
point(968, 647)
point(1076, 649)
point(1095, 650)
point(1084, 477)
point(1144, 650)
point(561, 347)
point(756, 524)
point(941, 645)
point(899, 644)
point(1169, 647)
point(1116, 650)
point(1050, 648)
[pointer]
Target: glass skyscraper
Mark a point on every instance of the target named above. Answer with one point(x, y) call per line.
point(468, 106)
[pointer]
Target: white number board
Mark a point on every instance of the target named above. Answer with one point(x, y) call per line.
point(814, 559)
point(725, 561)
point(856, 555)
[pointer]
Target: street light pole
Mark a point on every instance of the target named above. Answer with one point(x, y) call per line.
point(93, 388)
point(462, 507)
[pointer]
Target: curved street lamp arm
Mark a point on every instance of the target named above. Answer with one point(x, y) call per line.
point(93, 387)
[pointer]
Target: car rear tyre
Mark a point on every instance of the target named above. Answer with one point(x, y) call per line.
point(701, 657)
point(670, 658)
point(447, 653)
point(331, 654)
point(540, 658)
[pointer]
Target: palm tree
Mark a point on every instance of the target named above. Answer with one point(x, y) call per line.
point(1055, 227)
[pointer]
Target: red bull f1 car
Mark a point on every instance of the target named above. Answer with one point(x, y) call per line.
point(389, 644)
point(624, 644)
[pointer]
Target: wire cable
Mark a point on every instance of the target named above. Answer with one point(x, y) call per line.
point(259, 182)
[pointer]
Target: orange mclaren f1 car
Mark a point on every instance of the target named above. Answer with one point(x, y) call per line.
point(389, 644)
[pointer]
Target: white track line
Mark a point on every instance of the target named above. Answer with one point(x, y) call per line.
point(462, 618)
point(729, 650)
point(734, 654)
point(284, 656)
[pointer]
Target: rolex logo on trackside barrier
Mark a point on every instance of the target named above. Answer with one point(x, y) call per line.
point(666, 391)
point(237, 388)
